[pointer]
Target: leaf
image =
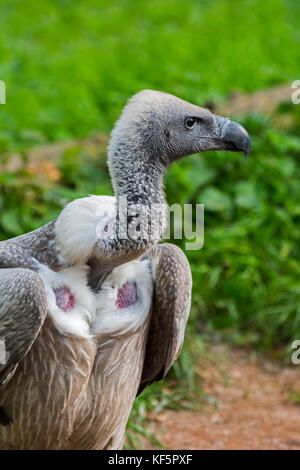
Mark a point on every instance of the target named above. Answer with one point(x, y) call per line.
point(215, 200)
point(10, 221)
point(247, 195)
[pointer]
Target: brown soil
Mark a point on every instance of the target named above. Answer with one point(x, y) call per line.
point(255, 407)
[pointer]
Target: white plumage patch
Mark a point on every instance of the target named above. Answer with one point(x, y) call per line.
point(80, 224)
point(99, 313)
point(78, 228)
point(80, 318)
point(109, 317)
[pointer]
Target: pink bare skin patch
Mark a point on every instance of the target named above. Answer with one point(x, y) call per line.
point(64, 299)
point(127, 295)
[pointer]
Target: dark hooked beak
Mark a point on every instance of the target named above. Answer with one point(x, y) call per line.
point(232, 136)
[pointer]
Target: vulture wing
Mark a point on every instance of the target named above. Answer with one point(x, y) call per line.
point(171, 307)
point(23, 309)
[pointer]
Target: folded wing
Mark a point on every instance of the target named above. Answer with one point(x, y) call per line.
point(23, 309)
point(171, 307)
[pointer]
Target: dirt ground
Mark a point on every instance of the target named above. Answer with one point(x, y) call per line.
point(255, 407)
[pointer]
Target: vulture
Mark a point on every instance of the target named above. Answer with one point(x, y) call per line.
point(91, 315)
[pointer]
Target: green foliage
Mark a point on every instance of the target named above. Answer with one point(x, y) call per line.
point(27, 201)
point(70, 65)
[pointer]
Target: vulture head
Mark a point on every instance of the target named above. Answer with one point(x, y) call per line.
point(157, 128)
point(154, 130)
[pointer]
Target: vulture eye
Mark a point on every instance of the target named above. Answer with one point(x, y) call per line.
point(190, 122)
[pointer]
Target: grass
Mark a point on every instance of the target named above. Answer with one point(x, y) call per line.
point(69, 67)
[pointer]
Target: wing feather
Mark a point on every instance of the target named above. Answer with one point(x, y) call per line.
point(23, 309)
point(171, 307)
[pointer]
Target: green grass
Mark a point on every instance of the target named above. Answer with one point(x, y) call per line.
point(69, 67)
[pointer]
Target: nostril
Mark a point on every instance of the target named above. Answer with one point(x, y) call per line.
point(167, 133)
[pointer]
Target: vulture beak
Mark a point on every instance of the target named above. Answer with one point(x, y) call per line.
point(232, 135)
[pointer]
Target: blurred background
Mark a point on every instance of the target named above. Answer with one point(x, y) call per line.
point(69, 68)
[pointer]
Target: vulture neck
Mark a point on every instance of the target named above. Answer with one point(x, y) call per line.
point(137, 180)
point(141, 187)
point(136, 175)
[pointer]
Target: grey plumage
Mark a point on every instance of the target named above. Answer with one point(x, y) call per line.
point(78, 355)
point(20, 319)
point(171, 307)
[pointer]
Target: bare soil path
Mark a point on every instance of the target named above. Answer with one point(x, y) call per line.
point(257, 407)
